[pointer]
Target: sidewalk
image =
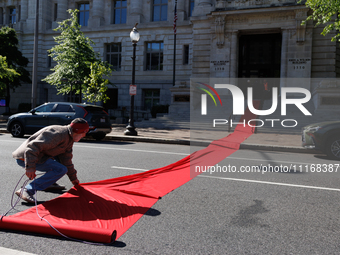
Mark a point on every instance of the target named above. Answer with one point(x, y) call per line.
point(258, 141)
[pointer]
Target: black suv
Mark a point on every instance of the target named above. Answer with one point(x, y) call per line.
point(60, 114)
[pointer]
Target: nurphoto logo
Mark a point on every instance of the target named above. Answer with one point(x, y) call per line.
point(238, 107)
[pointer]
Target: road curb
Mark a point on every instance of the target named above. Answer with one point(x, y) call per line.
point(147, 139)
point(245, 146)
point(291, 149)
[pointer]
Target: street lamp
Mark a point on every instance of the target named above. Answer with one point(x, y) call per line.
point(134, 36)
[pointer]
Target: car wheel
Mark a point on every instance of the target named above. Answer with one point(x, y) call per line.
point(333, 148)
point(17, 129)
point(99, 137)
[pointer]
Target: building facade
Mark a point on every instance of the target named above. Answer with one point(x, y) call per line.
point(215, 39)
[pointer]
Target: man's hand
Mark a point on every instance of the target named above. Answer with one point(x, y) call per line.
point(75, 182)
point(30, 175)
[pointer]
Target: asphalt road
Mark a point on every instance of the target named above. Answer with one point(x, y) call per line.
point(266, 203)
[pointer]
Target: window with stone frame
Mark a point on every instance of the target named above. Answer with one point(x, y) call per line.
point(84, 13)
point(55, 11)
point(114, 55)
point(12, 11)
point(154, 56)
point(151, 97)
point(191, 7)
point(185, 54)
point(160, 10)
point(119, 12)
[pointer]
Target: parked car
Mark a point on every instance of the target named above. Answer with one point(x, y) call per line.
point(324, 136)
point(60, 113)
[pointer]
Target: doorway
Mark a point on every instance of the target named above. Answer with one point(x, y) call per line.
point(259, 59)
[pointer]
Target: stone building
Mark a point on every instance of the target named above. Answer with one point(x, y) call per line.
point(215, 39)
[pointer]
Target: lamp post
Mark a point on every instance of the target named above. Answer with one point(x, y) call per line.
point(35, 57)
point(130, 129)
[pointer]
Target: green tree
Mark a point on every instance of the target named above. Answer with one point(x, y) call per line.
point(5, 71)
point(14, 60)
point(325, 12)
point(96, 84)
point(74, 55)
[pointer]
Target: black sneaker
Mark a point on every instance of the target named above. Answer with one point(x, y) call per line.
point(55, 187)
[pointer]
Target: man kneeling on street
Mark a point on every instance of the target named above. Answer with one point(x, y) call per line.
point(39, 152)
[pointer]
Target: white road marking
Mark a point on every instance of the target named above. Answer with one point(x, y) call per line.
point(128, 168)
point(183, 154)
point(271, 183)
point(120, 149)
point(243, 180)
point(186, 154)
point(14, 141)
point(271, 160)
point(6, 251)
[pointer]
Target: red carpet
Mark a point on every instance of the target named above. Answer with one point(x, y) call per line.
point(92, 211)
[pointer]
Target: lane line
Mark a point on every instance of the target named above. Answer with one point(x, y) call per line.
point(271, 183)
point(243, 180)
point(128, 168)
point(120, 149)
point(110, 148)
point(272, 160)
point(13, 141)
point(184, 154)
point(6, 251)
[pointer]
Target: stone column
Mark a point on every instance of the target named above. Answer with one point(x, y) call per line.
point(221, 4)
point(135, 13)
point(284, 52)
point(233, 54)
point(24, 10)
point(30, 20)
point(202, 7)
point(62, 10)
point(182, 13)
point(203, 2)
point(97, 13)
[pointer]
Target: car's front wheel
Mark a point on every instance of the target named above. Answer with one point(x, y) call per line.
point(99, 136)
point(333, 148)
point(17, 129)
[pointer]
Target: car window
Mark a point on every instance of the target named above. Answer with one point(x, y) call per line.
point(44, 108)
point(94, 109)
point(80, 111)
point(64, 108)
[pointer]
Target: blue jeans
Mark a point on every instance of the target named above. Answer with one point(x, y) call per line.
point(53, 172)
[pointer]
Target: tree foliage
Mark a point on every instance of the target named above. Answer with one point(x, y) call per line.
point(325, 12)
point(96, 84)
point(5, 71)
point(74, 56)
point(13, 61)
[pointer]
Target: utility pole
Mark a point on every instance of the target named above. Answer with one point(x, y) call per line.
point(35, 58)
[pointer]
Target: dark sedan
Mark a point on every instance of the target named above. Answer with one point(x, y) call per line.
point(60, 113)
point(324, 136)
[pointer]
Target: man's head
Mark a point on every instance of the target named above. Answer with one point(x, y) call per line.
point(79, 128)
